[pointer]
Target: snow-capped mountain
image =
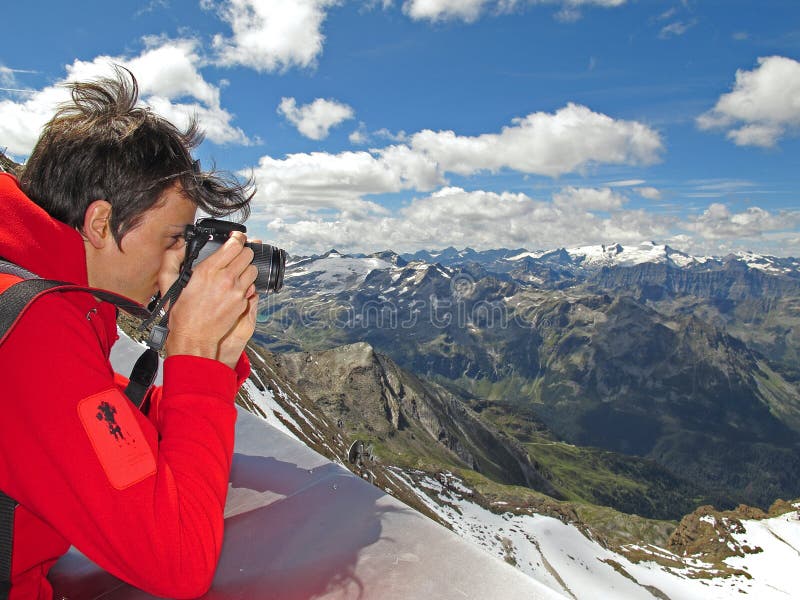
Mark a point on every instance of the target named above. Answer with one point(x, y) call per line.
point(618, 255)
point(769, 264)
point(332, 272)
point(590, 258)
point(620, 333)
point(752, 558)
point(651, 270)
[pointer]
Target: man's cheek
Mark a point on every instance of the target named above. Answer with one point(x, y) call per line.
point(170, 268)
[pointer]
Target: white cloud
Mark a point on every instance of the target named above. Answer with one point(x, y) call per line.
point(302, 184)
point(417, 170)
point(309, 191)
point(718, 222)
point(755, 135)
point(272, 35)
point(625, 183)
point(312, 202)
point(650, 193)
point(676, 29)
point(360, 136)
point(588, 199)
point(667, 14)
point(437, 10)
point(470, 10)
point(21, 122)
point(7, 78)
point(169, 82)
point(316, 119)
point(480, 219)
point(575, 137)
point(546, 144)
point(763, 106)
point(400, 136)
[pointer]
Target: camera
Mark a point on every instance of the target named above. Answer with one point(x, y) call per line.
point(207, 235)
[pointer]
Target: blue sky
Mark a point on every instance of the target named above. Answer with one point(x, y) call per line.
point(413, 124)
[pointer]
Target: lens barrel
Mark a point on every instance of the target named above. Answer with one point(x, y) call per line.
point(210, 234)
point(271, 263)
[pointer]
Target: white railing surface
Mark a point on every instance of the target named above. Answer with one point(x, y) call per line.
point(299, 526)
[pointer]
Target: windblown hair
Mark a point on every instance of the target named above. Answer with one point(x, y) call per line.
point(101, 146)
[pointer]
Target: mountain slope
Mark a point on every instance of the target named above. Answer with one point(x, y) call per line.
point(416, 424)
point(604, 360)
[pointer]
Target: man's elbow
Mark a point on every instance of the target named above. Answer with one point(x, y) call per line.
point(186, 580)
point(188, 587)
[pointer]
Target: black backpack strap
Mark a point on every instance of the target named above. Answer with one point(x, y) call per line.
point(142, 377)
point(19, 296)
point(7, 508)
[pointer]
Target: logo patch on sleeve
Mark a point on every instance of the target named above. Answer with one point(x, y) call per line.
point(117, 438)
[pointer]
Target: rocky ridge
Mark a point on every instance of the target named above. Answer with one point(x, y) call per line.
point(663, 379)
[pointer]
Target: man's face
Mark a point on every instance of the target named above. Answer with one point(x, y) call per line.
point(155, 242)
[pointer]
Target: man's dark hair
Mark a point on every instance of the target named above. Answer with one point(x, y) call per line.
point(101, 146)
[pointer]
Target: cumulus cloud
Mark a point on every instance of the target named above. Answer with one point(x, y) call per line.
point(718, 222)
point(315, 120)
point(309, 191)
point(592, 199)
point(272, 35)
point(470, 10)
point(437, 10)
point(359, 136)
point(312, 202)
point(169, 82)
point(301, 184)
point(485, 219)
point(480, 219)
point(648, 192)
point(763, 105)
point(546, 144)
point(362, 136)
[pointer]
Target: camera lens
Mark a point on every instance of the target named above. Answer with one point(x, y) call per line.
point(271, 262)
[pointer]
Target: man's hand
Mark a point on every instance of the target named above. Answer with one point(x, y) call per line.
point(231, 346)
point(215, 314)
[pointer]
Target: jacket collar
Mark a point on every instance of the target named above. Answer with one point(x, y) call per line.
point(32, 239)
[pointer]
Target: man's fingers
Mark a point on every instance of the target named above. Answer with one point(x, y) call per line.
point(228, 252)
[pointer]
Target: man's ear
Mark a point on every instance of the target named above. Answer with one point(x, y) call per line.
point(97, 224)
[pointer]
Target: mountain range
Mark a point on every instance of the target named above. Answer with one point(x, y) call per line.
point(645, 352)
point(579, 549)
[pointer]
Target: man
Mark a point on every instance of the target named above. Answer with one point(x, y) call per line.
point(103, 201)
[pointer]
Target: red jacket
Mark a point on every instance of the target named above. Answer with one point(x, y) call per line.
point(142, 496)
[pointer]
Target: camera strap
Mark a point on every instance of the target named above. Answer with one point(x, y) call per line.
point(146, 367)
point(159, 332)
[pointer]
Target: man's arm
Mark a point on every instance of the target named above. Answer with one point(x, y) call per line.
point(88, 463)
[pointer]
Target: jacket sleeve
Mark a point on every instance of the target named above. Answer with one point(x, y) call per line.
point(144, 503)
point(156, 393)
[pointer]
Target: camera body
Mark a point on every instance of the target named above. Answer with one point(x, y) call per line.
point(207, 235)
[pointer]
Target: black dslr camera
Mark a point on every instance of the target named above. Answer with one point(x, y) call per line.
point(207, 235)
